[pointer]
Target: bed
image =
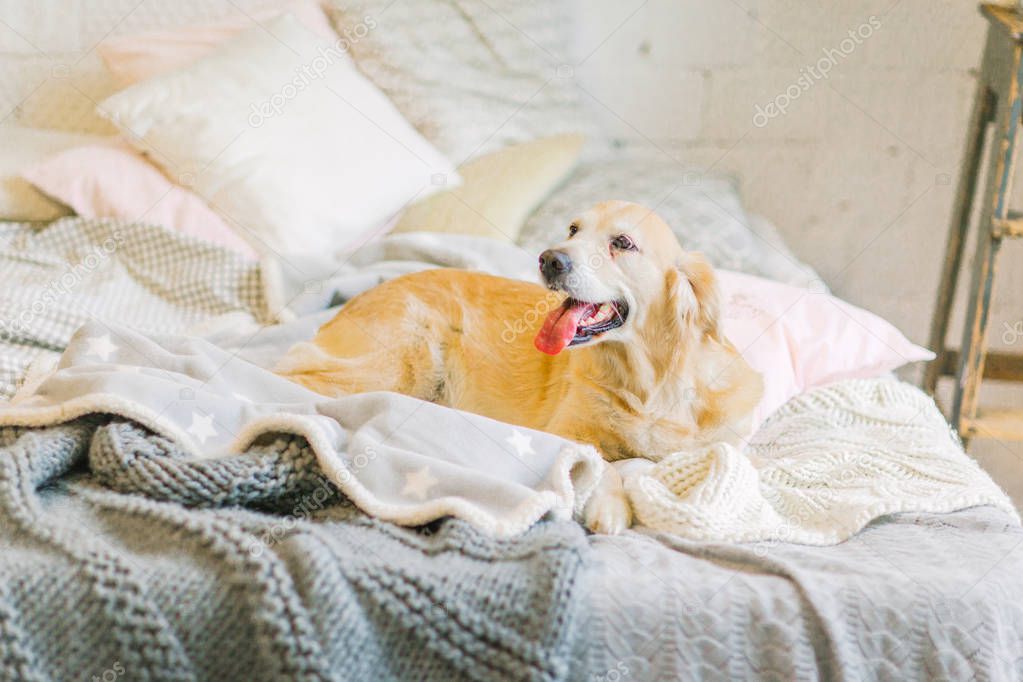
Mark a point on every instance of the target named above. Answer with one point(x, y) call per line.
point(123, 554)
point(119, 567)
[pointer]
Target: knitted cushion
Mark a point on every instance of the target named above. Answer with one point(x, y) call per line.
point(472, 75)
point(823, 467)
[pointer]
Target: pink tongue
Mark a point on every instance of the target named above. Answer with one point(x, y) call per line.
point(559, 328)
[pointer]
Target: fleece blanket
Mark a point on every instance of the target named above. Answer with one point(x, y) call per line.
point(397, 458)
point(158, 566)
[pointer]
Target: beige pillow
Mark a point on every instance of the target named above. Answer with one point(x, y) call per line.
point(499, 190)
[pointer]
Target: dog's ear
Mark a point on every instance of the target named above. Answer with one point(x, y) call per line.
point(695, 289)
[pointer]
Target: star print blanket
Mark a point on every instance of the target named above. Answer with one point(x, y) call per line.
point(397, 458)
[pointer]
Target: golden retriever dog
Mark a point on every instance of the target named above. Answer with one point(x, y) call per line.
point(624, 352)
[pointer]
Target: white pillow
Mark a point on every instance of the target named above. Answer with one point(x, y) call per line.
point(23, 147)
point(279, 132)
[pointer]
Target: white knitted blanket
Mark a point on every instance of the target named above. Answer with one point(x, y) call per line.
point(820, 469)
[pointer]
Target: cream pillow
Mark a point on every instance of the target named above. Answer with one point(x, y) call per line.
point(282, 136)
point(22, 147)
point(499, 191)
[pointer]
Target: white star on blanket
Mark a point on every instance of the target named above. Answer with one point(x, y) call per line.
point(522, 443)
point(101, 346)
point(418, 483)
point(202, 427)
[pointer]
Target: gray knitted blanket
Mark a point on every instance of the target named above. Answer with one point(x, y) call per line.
point(123, 557)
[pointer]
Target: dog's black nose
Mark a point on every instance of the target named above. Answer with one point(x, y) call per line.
point(554, 263)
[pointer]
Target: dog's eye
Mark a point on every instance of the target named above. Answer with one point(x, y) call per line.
point(572, 229)
point(623, 243)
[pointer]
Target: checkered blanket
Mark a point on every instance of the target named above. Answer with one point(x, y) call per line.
point(68, 272)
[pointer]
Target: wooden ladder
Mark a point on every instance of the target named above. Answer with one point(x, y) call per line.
point(998, 102)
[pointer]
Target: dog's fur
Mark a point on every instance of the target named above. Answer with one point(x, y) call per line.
point(665, 380)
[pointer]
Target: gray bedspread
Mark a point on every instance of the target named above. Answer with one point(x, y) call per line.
point(250, 568)
point(911, 597)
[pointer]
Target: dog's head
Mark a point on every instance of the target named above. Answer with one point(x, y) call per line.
point(625, 275)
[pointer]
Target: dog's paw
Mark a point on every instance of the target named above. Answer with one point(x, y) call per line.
point(608, 512)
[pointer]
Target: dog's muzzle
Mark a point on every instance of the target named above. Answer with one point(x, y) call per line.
point(574, 322)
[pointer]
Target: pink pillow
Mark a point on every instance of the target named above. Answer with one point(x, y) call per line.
point(799, 339)
point(113, 181)
point(135, 58)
